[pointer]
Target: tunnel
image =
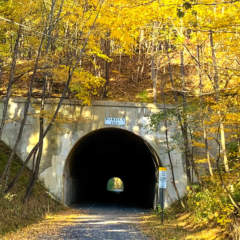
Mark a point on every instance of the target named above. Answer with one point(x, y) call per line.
point(111, 153)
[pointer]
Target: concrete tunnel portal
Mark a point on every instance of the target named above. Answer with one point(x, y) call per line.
point(111, 153)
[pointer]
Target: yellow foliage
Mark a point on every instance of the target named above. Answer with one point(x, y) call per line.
point(85, 85)
point(198, 144)
point(202, 160)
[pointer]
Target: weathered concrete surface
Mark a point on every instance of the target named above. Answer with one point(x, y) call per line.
point(74, 122)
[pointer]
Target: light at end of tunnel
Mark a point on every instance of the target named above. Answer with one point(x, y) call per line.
point(115, 184)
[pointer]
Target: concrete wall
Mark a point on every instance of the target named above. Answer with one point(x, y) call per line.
point(74, 122)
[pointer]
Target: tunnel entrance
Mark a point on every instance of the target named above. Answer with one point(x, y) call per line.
point(107, 153)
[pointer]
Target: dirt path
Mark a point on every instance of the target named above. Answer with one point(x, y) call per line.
point(89, 222)
point(101, 222)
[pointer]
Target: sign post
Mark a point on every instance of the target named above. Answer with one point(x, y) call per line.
point(162, 183)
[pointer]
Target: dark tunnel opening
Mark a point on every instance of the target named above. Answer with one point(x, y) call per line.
point(105, 154)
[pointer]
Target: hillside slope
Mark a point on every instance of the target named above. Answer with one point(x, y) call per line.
point(13, 214)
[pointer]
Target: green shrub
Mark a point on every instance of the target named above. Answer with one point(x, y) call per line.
point(210, 205)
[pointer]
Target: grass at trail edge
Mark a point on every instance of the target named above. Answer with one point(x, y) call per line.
point(178, 225)
point(13, 214)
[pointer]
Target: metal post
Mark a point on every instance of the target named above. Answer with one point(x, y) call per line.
point(162, 204)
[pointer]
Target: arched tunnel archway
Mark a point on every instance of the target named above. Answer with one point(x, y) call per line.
point(107, 153)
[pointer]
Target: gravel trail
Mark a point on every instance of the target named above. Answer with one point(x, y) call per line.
point(102, 223)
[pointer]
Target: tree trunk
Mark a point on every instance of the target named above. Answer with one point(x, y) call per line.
point(107, 65)
point(180, 120)
point(50, 26)
point(11, 80)
point(168, 145)
point(63, 96)
point(39, 153)
point(217, 98)
point(120, 67)
point(153, 61)
point(194, 167)
point(202, 113)
point(48, 128)
point(4, 177)
point(1, 65)
point(185, 121)
point(229, 194)
point(154, 77)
